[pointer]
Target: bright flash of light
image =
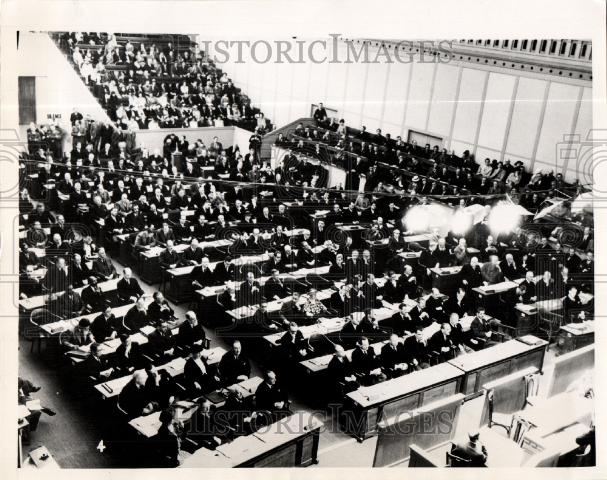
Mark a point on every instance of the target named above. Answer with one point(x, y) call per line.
point(504, 218)
point(417, 219)
point(460, 222)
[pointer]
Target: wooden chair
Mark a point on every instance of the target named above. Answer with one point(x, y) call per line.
point(39, 317)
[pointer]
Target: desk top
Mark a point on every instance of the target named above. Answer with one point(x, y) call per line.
point(445, 271)
point(173, 368)
point(583, 328)
point(61, 326)
point(248, 447)
point(32, 303)
point(319, 364)
point(472, 361)
point(324, 326)
point(405, 385)
point(572, 408)
point(148, 425)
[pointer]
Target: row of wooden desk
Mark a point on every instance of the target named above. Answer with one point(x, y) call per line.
point(466, 373)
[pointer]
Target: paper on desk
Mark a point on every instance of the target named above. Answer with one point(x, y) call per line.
point(33, 405)
point(147, 329)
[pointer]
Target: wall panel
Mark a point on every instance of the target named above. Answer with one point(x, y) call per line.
point(580, 166)
point(526, 116)
point(396, 96)
point(560, 109)
point(441, 108)
point(469, 105)
point(374, 95)
point(419, 95)
point(496, 110)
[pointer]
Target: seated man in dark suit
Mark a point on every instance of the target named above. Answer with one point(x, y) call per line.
point(197, 376)
point(271, 399)
point(545, 288)
point(341, 376)
point(165, 234)
point(292, 310)
point(459, 338)
point(206, 431)
point(529, 288)
point(136, 317)
point(365, 363)
point(129, 289)
point(133, 398)
point(191, 331)
point(159, 311)
point(169, 258)
point(93, 298)
point(293, 344)
point(202, 275)
point(460, 303)
point(355, 329)
point(224, 271)
point(128, 355)
point(481, 331)
point(416, 350)
point(393, 291)
point(95, 368)
point(161, 342)
point(103, 266)
point(341, 302)
point(193, 255)
point(393, 358)
point(434, 306)
point(470, 274)
point(274, 288)
point(250, 291)
point(166, 443)
point(441, 344)
point(105, 326)
point(234, 366)
point(80, 271)
point(401, 321)
point(472, 452)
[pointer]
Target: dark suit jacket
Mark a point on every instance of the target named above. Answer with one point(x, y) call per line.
point(230, 367)
point(468, 452)
point(267, 395)
point(129, 288)
point(415, 350)
point(362, 362)
point(391, 356)
point(133, 399)
point(192, 373)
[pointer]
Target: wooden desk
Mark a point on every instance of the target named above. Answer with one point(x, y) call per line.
point(148, 425)
point(498, 361)
point(60, 326)
point(368, 406)
point(112, 388)
point(180, 288)
point(446, 279)
point(292, 442)
point(31, 303)
point(573, 336)
point(550, 416)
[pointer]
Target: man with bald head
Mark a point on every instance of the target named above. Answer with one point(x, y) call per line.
point(129, 289)
point(341, 376)
point(133, 398)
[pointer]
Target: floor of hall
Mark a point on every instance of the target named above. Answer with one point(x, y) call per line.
point(74, 434)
